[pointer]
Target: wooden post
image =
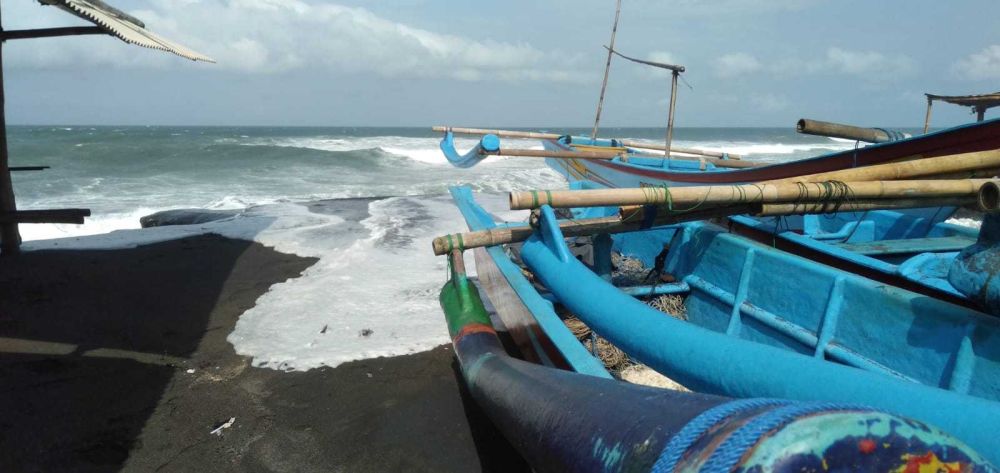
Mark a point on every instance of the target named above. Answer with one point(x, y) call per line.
point(607, 70)
point(980, 113)
point(670, 115)
point(10, 239)
point(927, 118)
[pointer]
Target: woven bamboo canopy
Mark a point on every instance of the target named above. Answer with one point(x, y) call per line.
point(979, 103)
point(107, 20)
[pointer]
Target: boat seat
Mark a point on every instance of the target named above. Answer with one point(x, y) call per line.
point(908, 245)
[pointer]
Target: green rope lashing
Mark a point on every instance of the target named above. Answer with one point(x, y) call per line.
point(534, 199)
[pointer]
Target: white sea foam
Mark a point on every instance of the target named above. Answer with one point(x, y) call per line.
point(368, 296)
point(966, 222)
point(424, 150)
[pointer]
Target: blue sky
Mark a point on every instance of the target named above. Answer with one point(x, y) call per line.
point(510, 63)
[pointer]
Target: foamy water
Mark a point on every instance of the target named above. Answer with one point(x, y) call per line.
point(373, 291)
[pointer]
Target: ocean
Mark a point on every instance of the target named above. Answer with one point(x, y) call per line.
point(366, 201)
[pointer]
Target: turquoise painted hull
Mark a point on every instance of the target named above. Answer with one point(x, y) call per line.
point(765, 323)
point(911, 249)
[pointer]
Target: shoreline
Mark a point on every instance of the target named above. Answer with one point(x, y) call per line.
point(118, 360)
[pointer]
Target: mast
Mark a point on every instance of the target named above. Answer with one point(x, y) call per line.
point(607, 70)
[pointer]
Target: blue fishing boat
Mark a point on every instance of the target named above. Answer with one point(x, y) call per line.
point(760, 324)
point(909, 249)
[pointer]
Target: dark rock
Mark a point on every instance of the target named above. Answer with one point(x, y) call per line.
point(185, 217)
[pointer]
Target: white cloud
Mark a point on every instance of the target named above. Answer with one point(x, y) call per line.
point(870, 66)
point(979, 66)
point(736, 64)
point(769, 102)
point(268, 36)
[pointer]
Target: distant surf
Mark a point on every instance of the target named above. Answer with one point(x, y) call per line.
point(366, 201)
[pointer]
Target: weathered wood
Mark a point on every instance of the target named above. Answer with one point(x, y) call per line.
point(607, 71)
point(498, 236)
point(532, 135)
point(10, 238)
point(28, 168)
point(988, 197)
point(670, 114)
point(927, 117)
point(45, 216)
point(838, 130)
point(801, 208)
point(685, 197)
point(635, 218)
point(51, 32)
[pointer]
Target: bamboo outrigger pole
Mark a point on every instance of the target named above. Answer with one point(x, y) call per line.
point(607, 70)
point(634, 218)
point(690, 197)
point(722, 159)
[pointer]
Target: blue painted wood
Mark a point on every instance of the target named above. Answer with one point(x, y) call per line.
point(883, 330)
point(471, 158)
point(908, 246)
point(564, 421)
point(579, 360)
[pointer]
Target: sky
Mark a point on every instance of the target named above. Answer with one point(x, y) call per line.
point(508, 63)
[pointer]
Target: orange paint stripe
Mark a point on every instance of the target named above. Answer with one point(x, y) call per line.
point(473, 328)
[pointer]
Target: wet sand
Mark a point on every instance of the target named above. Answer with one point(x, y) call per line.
point(118, 361)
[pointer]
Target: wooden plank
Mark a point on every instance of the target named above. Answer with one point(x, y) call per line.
point(28, 168)
point(45, 216)
point(910, 245)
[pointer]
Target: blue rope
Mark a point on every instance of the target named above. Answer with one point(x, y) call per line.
point(694, 429)
point(894, 135)
point(732, 449)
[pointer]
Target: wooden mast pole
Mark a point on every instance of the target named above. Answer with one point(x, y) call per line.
point(927, 118)
point(607, 70)
point(670, 115)
point(10, 239)
point(980, 113)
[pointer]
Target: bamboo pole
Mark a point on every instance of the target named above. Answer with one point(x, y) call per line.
point(500, 236)
point(838, 130)
point(927, 117)
point(544, 153)
point(801, 208)
point(607, 71)
point(696, 196)
point(670, 114)
point(988, 198)
point(915, 168)
point(533, 135)
point(580, 227)
point(634, 218)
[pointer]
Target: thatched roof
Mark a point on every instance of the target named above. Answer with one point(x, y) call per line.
point(982, 101)
point(123, 26)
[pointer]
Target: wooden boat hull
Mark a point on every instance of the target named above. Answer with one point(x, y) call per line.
point(565, 421)
point(765, 323)
point(652, 172)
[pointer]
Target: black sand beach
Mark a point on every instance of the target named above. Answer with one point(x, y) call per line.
point(118, 361)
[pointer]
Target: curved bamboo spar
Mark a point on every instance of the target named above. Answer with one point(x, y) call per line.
point(690, 197)
point(915, 168)
point(533, 135)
